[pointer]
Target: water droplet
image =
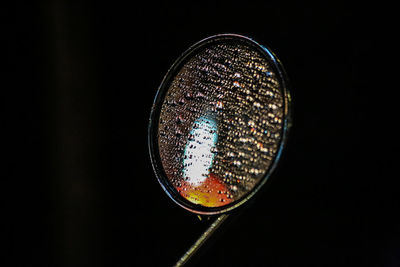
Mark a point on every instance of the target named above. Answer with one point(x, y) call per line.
point(251, 123)
point(236, 84)
point(219, 105)
point(179, 119)
point(178, 133)
point(189, 95)
point(200, 95)
point(257, 104)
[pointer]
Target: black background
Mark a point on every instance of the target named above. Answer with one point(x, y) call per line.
point(77, 188)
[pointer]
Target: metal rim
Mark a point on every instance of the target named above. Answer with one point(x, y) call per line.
point(156, 109)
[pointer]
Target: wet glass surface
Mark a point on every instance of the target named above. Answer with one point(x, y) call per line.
point(220, 124)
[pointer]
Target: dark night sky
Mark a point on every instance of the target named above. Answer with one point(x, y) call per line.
point(77, 188)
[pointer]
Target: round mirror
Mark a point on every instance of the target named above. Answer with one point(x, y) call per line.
point(219, 123)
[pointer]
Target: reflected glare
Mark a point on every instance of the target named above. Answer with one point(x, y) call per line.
point(198, 155)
